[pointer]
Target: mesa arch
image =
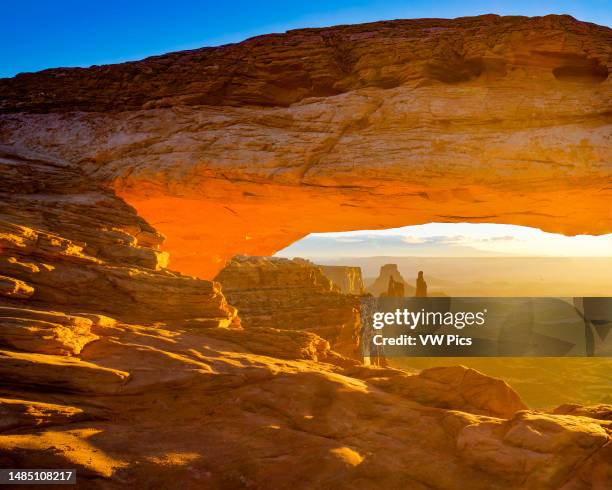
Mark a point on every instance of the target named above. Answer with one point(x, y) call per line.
point(485, 119)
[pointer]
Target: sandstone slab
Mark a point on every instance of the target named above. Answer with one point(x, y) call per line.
point(532, 450)
point(18, 414)
point(48, 334)
point(58, 373)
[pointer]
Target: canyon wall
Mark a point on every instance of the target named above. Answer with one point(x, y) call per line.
point(347, 278)
point(292, 295)
point(381, 283)
point(70, 244)
point(248, 147)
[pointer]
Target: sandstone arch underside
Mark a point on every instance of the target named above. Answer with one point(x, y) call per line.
point(488, 119)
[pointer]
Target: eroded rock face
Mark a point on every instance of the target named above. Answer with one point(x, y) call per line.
point(381, 283)
point(464, 389)
point(44, 331)
point(68, 244)
point(347, 278)
point(292, 295)
point(273, 70)
point(16, 414)
point(483, 119)
point(532, 449)
point(601, 411)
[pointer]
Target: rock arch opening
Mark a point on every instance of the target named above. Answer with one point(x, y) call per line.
point(204, 231)
point(459, 260)
point(465, 259)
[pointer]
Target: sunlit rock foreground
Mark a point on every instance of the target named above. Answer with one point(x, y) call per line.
point(245, 148)
point(67, 242)
point(139, 377)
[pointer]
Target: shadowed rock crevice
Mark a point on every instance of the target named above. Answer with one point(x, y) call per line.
point(593, 73)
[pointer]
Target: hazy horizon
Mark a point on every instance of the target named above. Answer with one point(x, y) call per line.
point(562, 277)
point(449, 240)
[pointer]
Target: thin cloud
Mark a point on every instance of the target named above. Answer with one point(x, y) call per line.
point(452, 240)
point(413, 240)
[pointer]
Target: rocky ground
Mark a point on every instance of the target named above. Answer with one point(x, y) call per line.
point(156, 407)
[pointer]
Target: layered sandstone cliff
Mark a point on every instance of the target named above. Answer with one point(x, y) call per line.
point(347, 278)
point(69, 244)
point(380, 285)
point(482, 119)
point(295, 295)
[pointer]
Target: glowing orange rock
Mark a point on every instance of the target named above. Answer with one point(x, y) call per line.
point(254, 145)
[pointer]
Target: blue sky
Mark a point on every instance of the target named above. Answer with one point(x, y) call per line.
point(43, 34)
